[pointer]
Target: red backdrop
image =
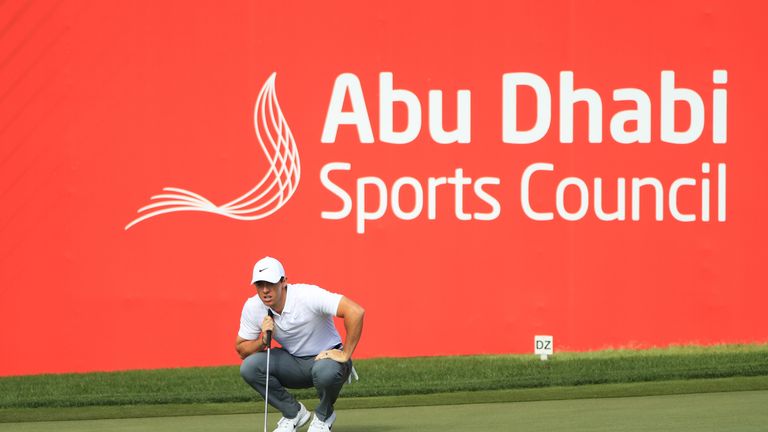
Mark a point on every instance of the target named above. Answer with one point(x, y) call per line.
point(102, 104)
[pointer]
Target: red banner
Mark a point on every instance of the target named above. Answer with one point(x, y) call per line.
point(473, 175)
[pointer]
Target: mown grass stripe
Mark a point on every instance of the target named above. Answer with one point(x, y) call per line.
point(455, 398)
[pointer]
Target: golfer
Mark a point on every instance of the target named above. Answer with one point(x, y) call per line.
point(312, 354)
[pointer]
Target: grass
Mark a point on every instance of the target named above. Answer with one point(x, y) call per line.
point(592, 391)
point(390, 377)
point(741, 411)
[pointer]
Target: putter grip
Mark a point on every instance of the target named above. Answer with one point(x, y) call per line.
point(269, 332)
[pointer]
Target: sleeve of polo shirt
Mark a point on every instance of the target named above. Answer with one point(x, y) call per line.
point(250, 328)
point(325, 301)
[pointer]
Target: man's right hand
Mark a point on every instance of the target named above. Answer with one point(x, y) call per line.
point(268, 324)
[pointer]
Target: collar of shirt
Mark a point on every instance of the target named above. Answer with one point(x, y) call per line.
point(288, 302)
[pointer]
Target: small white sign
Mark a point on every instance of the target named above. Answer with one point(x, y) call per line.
point(543, 346)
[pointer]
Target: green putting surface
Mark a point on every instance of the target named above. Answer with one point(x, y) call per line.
point(732, 411)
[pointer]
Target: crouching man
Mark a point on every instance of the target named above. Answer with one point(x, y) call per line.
point(312, 354)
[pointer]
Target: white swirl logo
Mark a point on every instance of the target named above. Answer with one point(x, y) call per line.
point(272, 192)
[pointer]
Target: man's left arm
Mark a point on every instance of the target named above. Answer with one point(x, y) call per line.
point(352, 314)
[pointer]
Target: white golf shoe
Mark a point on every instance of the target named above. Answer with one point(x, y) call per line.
point(293, 424)
point(318, 425)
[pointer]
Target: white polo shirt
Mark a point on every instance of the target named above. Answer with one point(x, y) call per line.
point(305, 328)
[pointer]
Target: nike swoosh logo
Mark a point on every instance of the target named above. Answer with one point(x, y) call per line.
point(261, 270)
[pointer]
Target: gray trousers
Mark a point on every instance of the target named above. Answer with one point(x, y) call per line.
point(285, 370)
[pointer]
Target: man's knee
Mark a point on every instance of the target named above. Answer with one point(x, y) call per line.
point(327, 373)
point(254, 366)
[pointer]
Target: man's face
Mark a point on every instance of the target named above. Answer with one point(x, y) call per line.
point(271, 294)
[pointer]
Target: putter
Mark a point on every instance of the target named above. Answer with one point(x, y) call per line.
point(266, 390)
